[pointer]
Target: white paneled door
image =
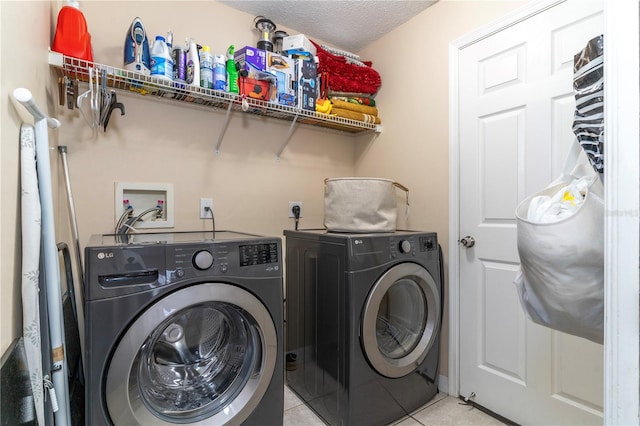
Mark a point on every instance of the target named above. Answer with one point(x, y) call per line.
point(515, 117)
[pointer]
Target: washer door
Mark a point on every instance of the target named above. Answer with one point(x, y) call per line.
point(202, 355)
point(401, 319)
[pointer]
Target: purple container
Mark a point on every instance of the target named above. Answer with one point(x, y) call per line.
point(179, 56)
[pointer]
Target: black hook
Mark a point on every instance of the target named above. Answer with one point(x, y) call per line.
point(113, 105)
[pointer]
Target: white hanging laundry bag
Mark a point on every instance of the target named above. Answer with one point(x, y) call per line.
point(561, 249)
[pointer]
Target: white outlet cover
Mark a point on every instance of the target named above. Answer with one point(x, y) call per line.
point(206, 202)
point(294, 203)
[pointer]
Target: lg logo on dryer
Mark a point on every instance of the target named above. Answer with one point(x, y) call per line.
point(102, 255)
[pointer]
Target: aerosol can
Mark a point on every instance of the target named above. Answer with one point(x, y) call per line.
point(136, 49)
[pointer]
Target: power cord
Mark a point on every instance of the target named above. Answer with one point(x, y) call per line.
point(213, 220)
point(296, 215)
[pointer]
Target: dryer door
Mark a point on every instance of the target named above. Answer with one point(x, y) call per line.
point(401, 319)
point(202, 355)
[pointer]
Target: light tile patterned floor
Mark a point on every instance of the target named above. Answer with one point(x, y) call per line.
point(441, 410)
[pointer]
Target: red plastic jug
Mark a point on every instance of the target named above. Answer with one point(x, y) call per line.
point(72, 37)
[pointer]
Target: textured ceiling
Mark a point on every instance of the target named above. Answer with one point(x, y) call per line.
point(348, 25)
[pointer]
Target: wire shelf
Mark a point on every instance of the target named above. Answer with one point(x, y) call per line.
point(130, 81)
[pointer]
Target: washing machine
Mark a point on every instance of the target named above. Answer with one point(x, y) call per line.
point(184, 328)
point(363, 315)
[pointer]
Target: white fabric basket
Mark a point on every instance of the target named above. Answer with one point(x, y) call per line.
point(361, 205)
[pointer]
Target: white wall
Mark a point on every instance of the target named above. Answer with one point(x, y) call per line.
point(24, 39)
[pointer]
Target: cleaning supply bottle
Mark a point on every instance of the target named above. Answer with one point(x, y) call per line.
point(232, 71)
point(72, 37)
point(193, 63)
point(219, 72)
point(161, 60)
point(179, 56)
point(206, 68)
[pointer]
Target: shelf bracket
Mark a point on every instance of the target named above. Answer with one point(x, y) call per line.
point(224, 128)
point(286, 138)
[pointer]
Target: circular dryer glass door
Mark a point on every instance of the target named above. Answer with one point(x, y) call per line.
point(401, 320)
point(204, 353)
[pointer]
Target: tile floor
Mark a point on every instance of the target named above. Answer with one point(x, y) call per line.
point(441, 410)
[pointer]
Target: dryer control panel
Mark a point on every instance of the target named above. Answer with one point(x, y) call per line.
point(367, 250)
point(412, 245)
point(428, 243)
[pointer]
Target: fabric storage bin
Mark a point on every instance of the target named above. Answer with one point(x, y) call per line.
point(361, 205)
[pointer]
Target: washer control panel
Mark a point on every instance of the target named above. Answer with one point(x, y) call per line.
point(119, 265)
point(217, 259)
point(258, 254)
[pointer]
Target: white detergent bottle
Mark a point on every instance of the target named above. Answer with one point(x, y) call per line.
point(193, 63)
point(161, 64)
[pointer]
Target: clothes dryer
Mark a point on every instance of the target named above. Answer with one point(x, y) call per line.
point(184, 328)
point(363, 315)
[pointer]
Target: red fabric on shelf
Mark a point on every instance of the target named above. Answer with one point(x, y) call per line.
point(347, 77)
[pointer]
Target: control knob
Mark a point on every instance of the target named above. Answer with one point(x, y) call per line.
point(404, 246)
point(202, 260)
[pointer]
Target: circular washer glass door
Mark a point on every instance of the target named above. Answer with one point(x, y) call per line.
point(204, 354)
point(401, 319)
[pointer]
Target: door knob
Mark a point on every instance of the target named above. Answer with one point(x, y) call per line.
point(467, 242)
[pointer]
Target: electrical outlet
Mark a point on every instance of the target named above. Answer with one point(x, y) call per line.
point(292, 204)
point(206, 202)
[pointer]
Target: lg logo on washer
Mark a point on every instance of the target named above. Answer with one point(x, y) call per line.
point(356, 242)
point(102, 255)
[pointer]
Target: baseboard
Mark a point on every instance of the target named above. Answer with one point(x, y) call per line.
point(443, 384)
